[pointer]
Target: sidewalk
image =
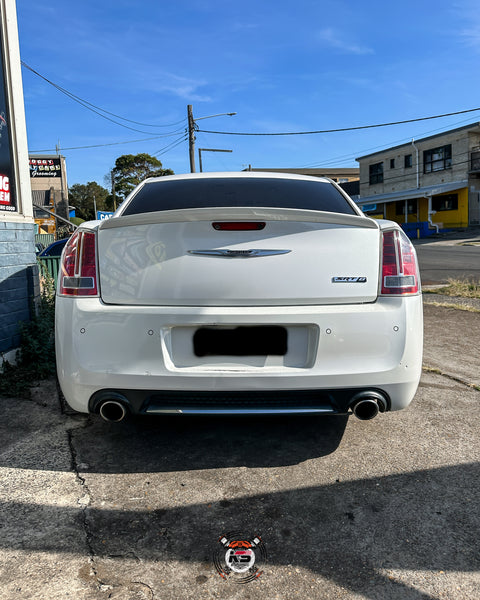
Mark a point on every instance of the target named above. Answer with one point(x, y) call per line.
point(451, 339)
point(468, 236)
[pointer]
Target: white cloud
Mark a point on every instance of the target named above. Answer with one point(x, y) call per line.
point(164, 82)
point(337, 40)
point(469, 14)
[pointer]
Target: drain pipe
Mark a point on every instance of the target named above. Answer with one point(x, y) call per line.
point(429, 198)
point(430, 214)
point(417, 165)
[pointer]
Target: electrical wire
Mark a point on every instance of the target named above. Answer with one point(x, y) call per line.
point(402, 176)
point(96, 109)
point(171, 146)
point(155, 137)
point(349, 157)
point(458, 112)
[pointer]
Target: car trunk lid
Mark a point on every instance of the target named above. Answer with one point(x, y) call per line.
point(183, 258)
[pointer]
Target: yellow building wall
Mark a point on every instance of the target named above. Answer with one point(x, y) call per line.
point(391, 212)
point(445, 218)
point(46, 225)
point(454, 218)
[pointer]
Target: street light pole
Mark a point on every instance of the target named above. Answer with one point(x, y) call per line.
point(200, 150)
point(191, 132)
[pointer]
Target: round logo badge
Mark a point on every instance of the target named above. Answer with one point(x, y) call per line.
point(238, 557)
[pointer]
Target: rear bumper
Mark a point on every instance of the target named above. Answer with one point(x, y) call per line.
point(255, 402)
point(145, 354)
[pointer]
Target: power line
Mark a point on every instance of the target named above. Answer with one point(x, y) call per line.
point(171, 146)
point(97, 109)
point(348, 157)
point(155, 137)
point(402, 175)
point(459, 112)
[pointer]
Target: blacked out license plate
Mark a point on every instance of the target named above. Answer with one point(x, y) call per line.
point(262, 340)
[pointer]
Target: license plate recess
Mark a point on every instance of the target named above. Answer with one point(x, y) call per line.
point(262, 340)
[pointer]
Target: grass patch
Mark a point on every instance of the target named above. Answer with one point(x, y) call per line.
point(453, 305)
point(36, 355)
point(462, 288)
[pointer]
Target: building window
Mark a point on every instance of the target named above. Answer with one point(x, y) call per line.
point(392, 163)
point(411, 207)
point(437, 159)
point(445, 202)
point(408, 161)
point(376, 173)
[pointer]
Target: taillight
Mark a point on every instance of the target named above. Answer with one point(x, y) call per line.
point(78, 275)
point(399, 264)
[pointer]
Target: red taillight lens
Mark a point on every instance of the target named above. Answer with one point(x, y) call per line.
point(239, 226)
point(399, 264)
point(79, 266)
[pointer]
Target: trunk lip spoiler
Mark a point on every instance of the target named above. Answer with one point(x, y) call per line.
point(240, 213)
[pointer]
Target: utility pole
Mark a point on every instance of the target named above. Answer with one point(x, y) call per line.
point(191, 138)
point(113, 191)
point(191, 133)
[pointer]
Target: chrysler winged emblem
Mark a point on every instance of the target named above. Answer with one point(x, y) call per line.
point(225, 253)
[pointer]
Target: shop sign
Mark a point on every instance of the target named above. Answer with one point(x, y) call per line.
point(45, 167)
point(7, 188)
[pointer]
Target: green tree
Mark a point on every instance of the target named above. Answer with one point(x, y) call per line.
point(82, 197)
point(131, 169)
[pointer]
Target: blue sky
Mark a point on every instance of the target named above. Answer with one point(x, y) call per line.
point(282, 66)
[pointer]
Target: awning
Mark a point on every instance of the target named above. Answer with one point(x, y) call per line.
point(423, 192)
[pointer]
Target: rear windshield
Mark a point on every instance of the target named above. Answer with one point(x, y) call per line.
point(238, 192)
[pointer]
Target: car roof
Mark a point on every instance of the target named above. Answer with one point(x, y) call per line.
point(237, 175)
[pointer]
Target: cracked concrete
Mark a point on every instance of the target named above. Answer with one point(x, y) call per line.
point(347, 509)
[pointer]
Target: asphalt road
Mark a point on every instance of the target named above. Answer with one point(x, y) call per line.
point(348, 510)
point(445, 259)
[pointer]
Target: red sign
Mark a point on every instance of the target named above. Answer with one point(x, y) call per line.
point(5, 198)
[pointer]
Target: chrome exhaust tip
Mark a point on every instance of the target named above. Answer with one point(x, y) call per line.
point(365, 410)
point(366, 405)
point(112, 411)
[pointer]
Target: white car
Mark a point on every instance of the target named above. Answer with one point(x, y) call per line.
point(239, 293)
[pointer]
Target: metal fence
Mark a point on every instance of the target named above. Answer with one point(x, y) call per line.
point(49, 266)
point(44, 238)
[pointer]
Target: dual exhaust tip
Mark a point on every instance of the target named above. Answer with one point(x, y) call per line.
point(365, 406)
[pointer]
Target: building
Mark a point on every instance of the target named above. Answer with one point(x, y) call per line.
point(347, 178)
point(427, 185)
point(48, 180)
point(18, 265)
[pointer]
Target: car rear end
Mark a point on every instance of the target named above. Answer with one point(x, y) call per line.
point(239, 294)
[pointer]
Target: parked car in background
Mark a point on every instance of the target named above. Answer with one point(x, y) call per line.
point(55, 248)
point(239, 293)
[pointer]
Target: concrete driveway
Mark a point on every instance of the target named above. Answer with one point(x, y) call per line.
point(385, 509)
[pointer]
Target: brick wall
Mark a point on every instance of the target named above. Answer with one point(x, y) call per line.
point(18, 279)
